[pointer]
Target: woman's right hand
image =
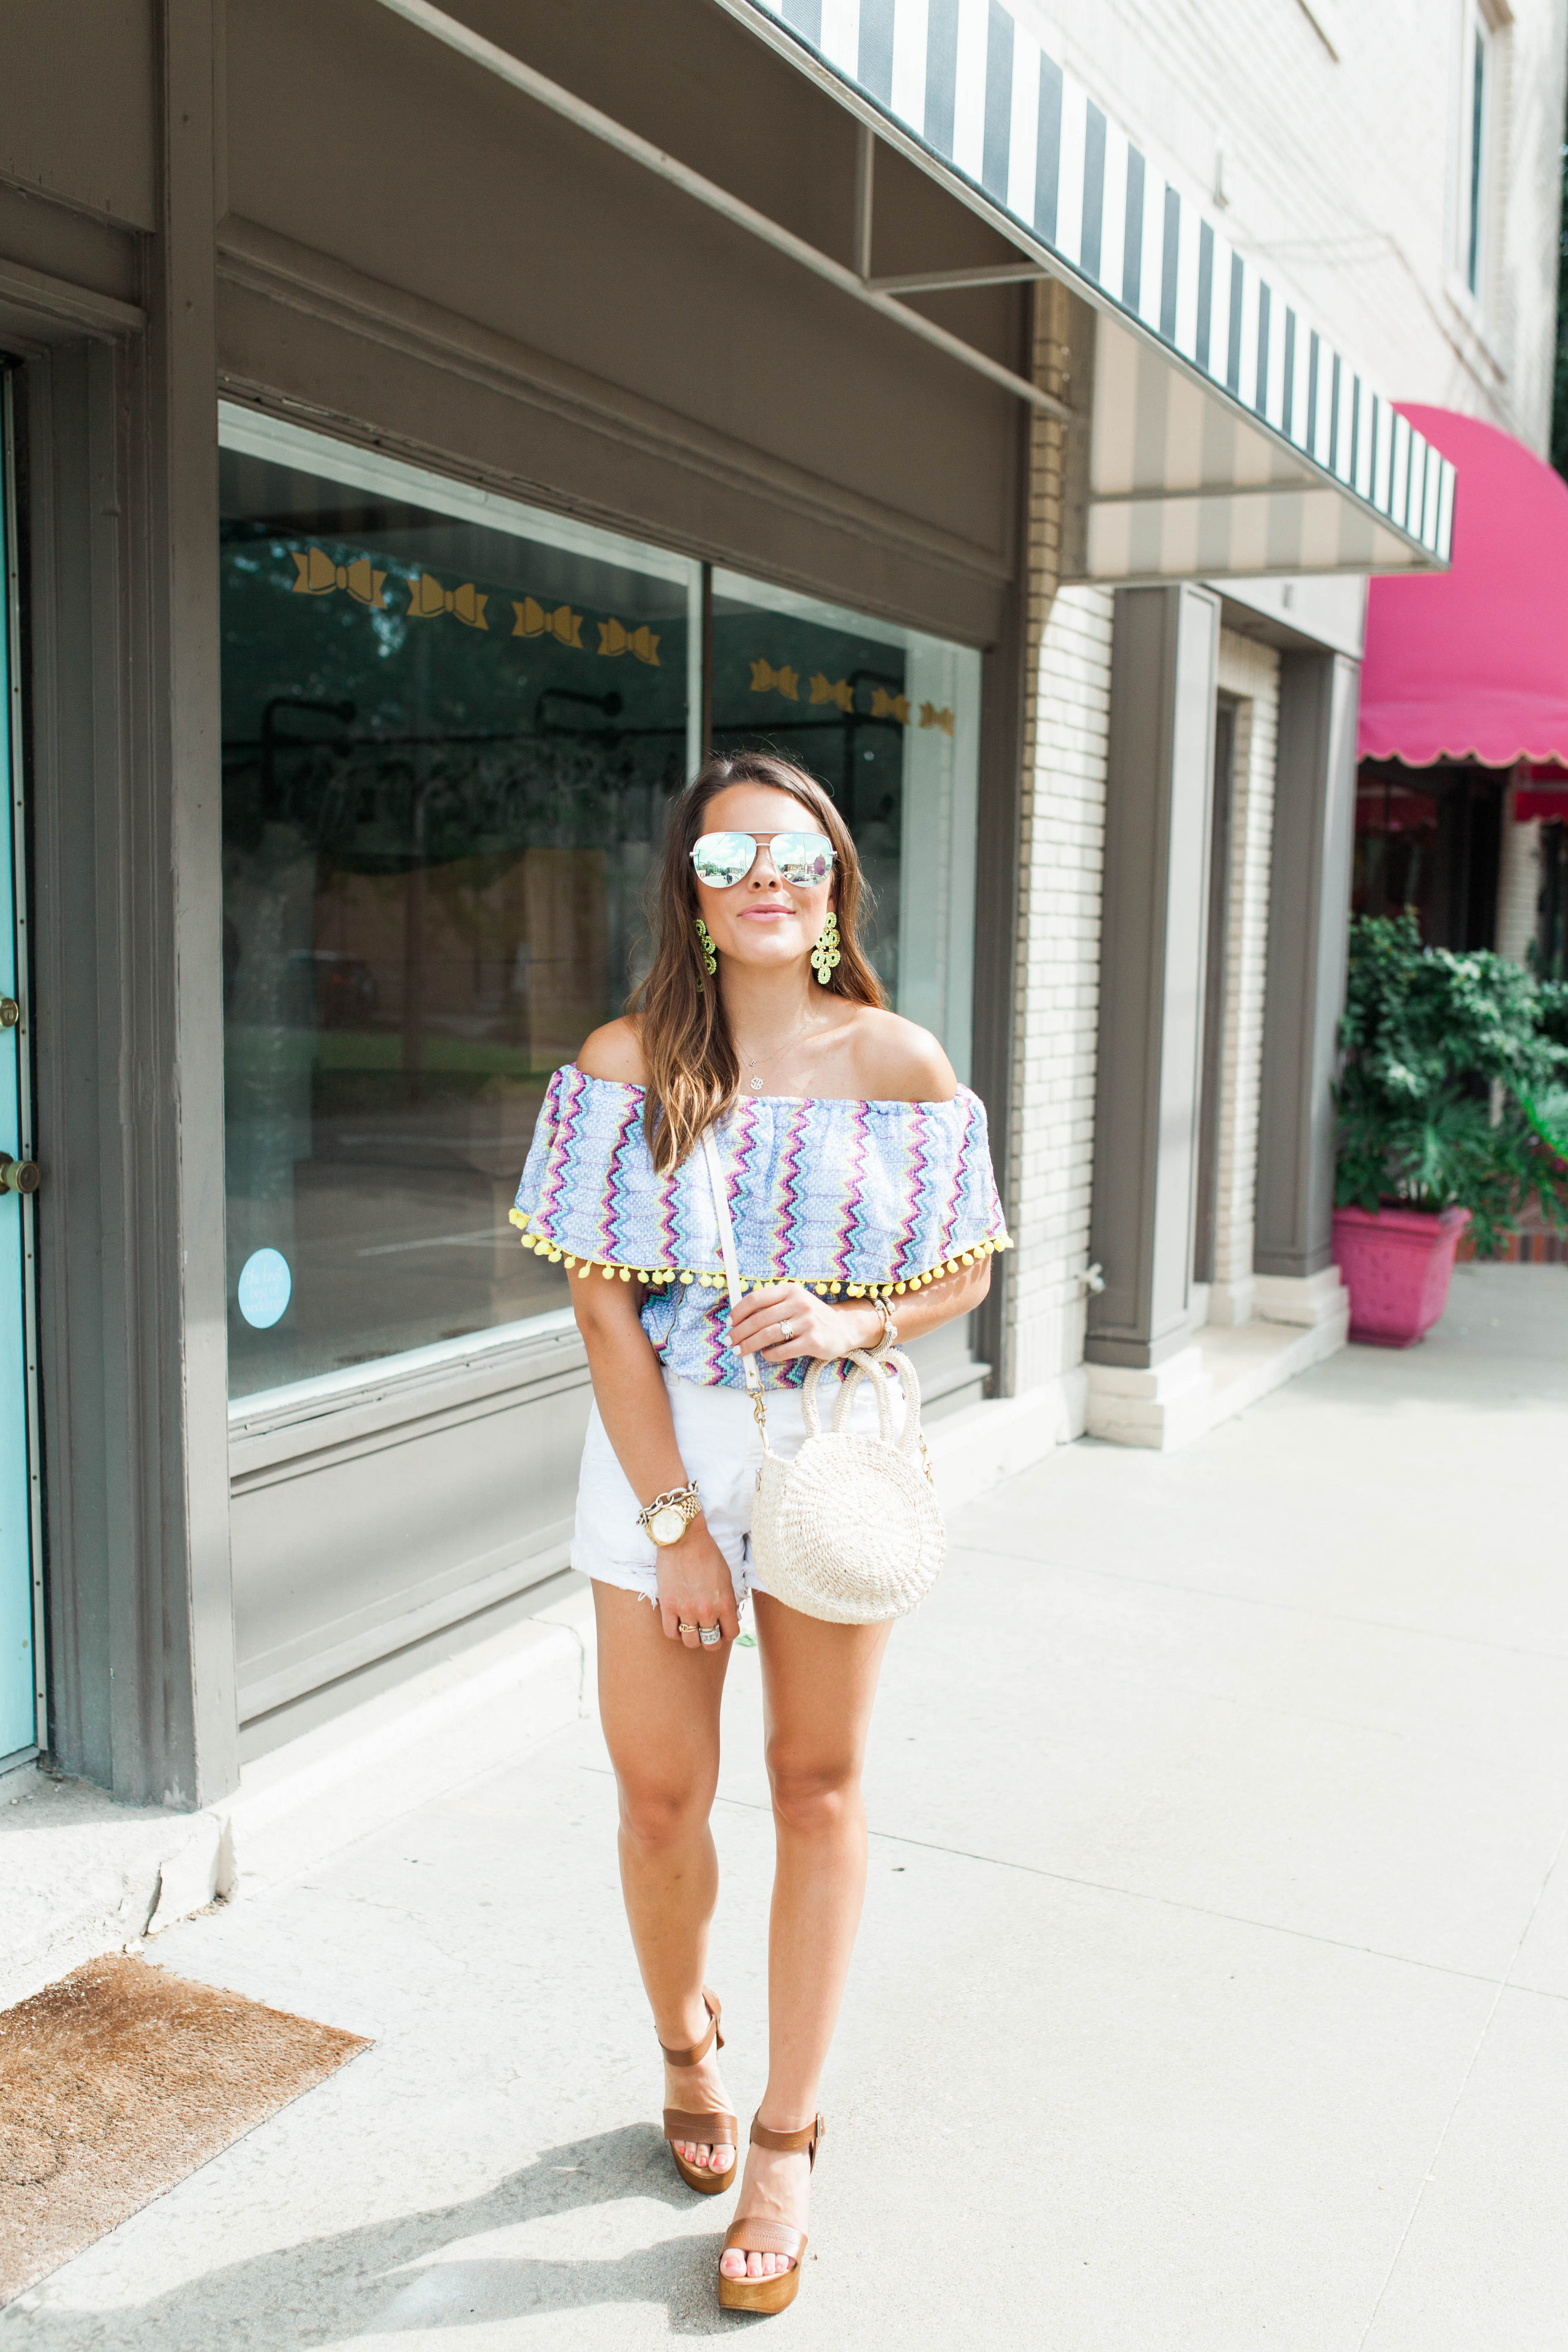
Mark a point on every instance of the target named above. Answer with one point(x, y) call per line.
point(694, 1587)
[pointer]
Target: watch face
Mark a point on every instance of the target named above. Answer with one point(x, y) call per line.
point(668, 1525)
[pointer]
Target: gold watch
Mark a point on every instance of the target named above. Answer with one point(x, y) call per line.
point(667, 1516)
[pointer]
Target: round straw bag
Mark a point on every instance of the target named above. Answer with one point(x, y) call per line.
point(850, 1530)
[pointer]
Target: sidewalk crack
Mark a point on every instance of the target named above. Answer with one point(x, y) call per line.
point(1168, 1902)
point(1430, 2174)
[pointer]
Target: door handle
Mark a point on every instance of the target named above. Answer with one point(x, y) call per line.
point(10, 1012)
point(19, 1175)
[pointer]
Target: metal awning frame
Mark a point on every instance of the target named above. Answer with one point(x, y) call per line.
point(1298, 468)
point(860, 287)
point(1292, 472)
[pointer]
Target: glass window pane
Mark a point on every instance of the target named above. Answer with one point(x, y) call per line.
point(1476, 172)
point(451, 727)
point(889, 720)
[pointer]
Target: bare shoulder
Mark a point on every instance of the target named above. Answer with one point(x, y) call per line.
point(614, 1052)
point(901, 1062)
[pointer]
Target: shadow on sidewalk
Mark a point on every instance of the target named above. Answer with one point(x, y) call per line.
point(386, 2277)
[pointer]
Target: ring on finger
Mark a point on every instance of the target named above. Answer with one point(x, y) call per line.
point(786, 1330)
point(709, 1635)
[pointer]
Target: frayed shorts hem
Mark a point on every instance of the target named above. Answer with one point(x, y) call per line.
point(645, 1581)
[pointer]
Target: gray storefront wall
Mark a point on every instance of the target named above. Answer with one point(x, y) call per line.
point(322, 217)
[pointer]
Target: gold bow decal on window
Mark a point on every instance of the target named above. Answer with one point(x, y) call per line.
point(614, 639)
point(765, 679)
point(533, 621)
point(427, 600)
point(319, 575)
point(931, 717)
point(837, 690)
point(889, 706)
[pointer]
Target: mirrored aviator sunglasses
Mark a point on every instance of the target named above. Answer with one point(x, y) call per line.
point(723, 859)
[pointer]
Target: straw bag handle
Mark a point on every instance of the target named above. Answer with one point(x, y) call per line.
point(868, 1365)
point(732, 1277)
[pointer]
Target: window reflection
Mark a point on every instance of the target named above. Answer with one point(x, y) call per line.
point(889, 720)
point(452, 729)
point(446, 752)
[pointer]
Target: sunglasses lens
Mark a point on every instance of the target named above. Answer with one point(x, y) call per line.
point(723, 859)
point(805, 859)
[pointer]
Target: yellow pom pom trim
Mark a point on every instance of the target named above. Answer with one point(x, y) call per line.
point(829, 1285)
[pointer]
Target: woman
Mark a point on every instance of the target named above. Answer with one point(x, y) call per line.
point(862, 1201)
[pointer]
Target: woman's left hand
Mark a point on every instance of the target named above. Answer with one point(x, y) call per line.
point(783, 1319)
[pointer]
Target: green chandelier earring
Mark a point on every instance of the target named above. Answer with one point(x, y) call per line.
point(825, 954)
point(706, 949)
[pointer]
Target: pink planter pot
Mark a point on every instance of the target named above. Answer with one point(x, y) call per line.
point(1396, 1266)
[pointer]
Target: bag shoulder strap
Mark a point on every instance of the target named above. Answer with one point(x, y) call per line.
point(731, 1268)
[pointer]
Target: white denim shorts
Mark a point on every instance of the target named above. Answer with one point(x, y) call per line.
point(722, 1451)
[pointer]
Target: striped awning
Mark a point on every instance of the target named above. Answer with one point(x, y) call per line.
point(1229, 435)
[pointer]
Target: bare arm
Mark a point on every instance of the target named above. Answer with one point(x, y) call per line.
point(831, 1327)
point(694, 1583)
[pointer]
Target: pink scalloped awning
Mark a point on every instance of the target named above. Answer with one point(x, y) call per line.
point(1473, 661)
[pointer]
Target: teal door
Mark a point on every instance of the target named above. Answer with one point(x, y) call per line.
point(19, 1616)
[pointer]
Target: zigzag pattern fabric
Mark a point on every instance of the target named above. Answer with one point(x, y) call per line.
point(855, 1198)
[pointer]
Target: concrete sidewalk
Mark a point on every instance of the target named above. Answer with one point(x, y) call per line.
point(1213, 1991)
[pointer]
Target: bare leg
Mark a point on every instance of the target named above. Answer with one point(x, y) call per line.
point(659, 1702)
point(819, 1683)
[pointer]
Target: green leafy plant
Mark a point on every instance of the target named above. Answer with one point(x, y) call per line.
point(1453, 1092)
point(1552, 1009)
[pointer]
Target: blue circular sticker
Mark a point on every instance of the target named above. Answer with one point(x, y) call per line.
point(265, 1288)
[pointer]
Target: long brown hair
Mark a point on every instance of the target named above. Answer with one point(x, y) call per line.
point(688, 1051)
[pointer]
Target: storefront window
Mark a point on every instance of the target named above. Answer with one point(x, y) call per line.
point(1427, 842)
point(889, 720)
point(452, 727)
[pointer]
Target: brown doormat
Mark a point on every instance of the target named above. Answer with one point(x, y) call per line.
point(119, 2081)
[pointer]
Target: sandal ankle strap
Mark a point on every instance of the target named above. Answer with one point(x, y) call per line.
point(795, 2143)
point(699, 2050)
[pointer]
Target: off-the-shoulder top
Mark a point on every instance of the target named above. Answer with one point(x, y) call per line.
point(850, 1198)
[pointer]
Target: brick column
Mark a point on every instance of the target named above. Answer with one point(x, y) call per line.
point(1250, 671)
point(1062, 858)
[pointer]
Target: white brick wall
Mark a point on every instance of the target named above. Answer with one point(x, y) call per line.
point(1061, 857)
point(1251, 672)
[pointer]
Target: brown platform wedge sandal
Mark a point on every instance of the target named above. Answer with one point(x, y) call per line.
point(714, 2130)
point(752, 2235)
